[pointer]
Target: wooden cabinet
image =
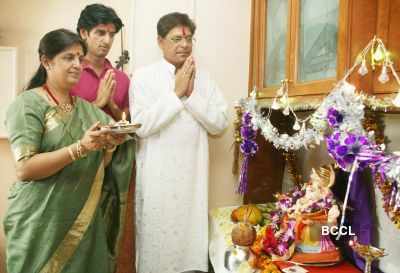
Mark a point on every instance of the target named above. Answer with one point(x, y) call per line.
point(312, 43)
point(388, 28)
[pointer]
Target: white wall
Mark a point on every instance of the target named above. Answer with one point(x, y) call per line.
point(24, 22)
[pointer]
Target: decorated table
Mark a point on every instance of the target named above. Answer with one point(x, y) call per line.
point(221, 227)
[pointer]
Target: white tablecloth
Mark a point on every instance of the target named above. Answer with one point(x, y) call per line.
point(220, 240)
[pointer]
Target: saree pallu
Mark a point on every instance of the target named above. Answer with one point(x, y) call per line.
point(71, 221)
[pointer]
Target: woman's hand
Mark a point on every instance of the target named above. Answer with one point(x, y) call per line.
point(114, 139)
point(94, 139)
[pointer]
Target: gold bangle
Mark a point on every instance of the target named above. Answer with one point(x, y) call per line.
point(81, 154)
point(71, 153)
point(78, 149)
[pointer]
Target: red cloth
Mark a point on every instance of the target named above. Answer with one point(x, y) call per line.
point(89, 82)
point(344, 267)
point(126, 258)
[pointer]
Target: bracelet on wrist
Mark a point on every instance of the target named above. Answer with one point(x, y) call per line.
point(71, 153)
point(81, 150)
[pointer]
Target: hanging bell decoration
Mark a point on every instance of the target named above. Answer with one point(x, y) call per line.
point(280, 92)
point(275, 105)
point(379, 54)
point(363, 70)
point(303, 126)
point(383, 77)
point(396, 100)
point(286, 111)
point(296, 126)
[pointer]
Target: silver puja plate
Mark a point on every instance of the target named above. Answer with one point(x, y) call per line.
point(121, 128)
point(234, 256)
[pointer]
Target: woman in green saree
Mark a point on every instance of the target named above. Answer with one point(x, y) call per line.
point(66, 211)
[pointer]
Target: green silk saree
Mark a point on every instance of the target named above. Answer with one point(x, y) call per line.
point(70, 222)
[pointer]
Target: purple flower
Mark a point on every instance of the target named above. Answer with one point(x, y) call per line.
point(332, 121)
point(246, 118)
point(247, 132)
point(336, 136)
point(334, 117)
point(341, 150)
point(332, 112)
point(341, 163)
point(348, 159)
point(331, 144)
point(290, 230)
point(350, 139)
point(363, 140)
point(248, 147)
point(314, 207)
point(285, 203)
point(297, 193)
point(345, 148)
point(275, 216)
point(281, 248)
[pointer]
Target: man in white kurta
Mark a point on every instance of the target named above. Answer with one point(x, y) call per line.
point(178, 106)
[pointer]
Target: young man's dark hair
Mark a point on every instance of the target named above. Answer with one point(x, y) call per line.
point(95, 14)
point(171, 20)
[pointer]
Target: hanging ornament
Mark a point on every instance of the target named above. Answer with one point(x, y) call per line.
point(286, 111)
point(303, 127)
point(383, 77)
point(396, 100)
point(284, 100)
point(280, 92)
point(275, 105)
point(296, 126)
point(379, 54)
point(363, 70)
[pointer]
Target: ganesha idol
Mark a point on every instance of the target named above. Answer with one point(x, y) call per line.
point(315, 209)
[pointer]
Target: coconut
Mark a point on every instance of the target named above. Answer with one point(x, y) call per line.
point(243, 234)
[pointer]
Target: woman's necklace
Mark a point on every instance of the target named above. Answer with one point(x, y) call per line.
point(65, 107)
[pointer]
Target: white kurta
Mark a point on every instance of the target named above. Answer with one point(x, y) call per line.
point(172, 168)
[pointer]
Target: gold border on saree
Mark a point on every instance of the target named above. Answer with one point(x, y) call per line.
point(70, 243)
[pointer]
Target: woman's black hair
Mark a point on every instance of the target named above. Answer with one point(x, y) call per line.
point(96, 14)
point(51, 44)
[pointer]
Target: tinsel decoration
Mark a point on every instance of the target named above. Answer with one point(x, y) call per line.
point(248, 147)
point(238, 139)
